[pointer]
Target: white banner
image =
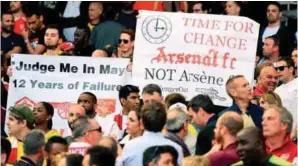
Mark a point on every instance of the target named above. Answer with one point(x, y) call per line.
point(60, 80)
point(193, 53)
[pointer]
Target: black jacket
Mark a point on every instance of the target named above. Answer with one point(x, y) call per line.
point(24, 161)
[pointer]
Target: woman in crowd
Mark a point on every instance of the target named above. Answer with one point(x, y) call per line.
point(269, 99)
point(43, 113)
point(133, 126)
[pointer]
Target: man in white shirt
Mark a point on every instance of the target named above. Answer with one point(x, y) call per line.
point(288, 89)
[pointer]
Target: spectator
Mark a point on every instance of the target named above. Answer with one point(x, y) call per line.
point(126, 43)
point(86, 133)
point(153, 119)
point(5, 150)
point(99, 156)
point(106, 33)
point(127, 16)
point(74, 112)
point(251, 149)
point(18, 15)
point(33, 145)
point(109, 143)
point(160, 155)
point(34, 39)
point(20, 122)
point(223, 152)
point(288, 89)
point(270, 98)
point(270, 49)
point(88, 101)
point(239, 90)
point(277, 127)
point(202, 112)
point(176, 127)
point(81, 38)
point(94, 14)
point(267, 81)
point(53, 38)
point(130, 100)
point(286, 40)
point(4, 94)
point(294, 57)
point(233, 8)
point(134, 127)
point(68, 48)
point(71, 160)
point(201, 7)
point(55, 145)
point(99, 53)
point(11, 43)
point(43, 113)
point(195, 161)
point(152, 92)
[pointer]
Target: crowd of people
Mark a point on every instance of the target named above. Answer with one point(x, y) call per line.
point(259, 128)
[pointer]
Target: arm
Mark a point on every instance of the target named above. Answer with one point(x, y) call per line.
point(15, 50)
point(38, 50)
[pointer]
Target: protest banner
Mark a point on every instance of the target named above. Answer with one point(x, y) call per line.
point(60, 80)
point(193, 53)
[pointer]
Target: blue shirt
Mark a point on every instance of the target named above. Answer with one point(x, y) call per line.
point(133, 151)
point(254, 111)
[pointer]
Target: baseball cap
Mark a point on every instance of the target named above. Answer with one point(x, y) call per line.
point(23, 112)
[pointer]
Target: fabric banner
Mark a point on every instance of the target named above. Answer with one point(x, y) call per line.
point(193, 53)
point(60, 80)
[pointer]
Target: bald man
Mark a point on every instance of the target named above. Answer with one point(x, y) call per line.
point(223, 152)
point(74, 112)
point(267, 81)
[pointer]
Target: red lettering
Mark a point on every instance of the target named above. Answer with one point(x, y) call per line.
point(232, 63)
point(225, 57)
point(160, 56)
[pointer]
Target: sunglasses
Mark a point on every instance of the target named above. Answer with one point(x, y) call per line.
point(280, 68)
point(124, 41)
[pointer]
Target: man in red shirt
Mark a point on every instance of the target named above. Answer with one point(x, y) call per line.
point(19, 16)
point(277, 126)
point(223, 152)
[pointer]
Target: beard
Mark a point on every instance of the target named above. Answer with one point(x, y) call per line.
point(52, 47)
point(218, 138)
point(70, 126)
point(7, 29)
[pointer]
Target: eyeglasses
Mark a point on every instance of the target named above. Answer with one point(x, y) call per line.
point(280, 68)
point(98, 129)
point(124, 41)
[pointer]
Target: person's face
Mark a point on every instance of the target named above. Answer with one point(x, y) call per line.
point(294, 57)
point(132, 101)
point(196, 118)
point(218, 132)
point(166, 159)
point(133, 125)
point(242, 89)
point(79, 36)
point(3, 158)
point(94, 134)
point(264, 103)
point(284, 72)
point(246, 147)
point(55, 149)
point(269, 48)
point(15, 6)
point(147, 98)
point(86, 102)
point(62, 162)
point(74, 113)
point(125, 42)
point(268, 78)
point(34, 22)
point(273, 14)
point(52, 38)
point(7, 23)
point(94, 11)
point(197, 8)
point(14, 127)
point(40, 114)
point(232, 9)
point(272, 125)
point(86, 160)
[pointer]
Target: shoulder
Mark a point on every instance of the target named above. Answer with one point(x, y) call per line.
point(278, 161)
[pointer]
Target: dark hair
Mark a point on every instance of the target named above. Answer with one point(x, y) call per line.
point(55, 26)
point(5, 13)
point(154, 116)
point(50, 111)
point(101, 156)
point(5, 147)
point(130, 32)
point(93, 96)
point(32, 12)
point(153, 154)
point(74, 160)
point(202, 101)
point(126, 90)
point(275, 3)
point(151, 88)
point(174, 98)
point(238, 3)
point(205, 5)
point(113, 145)
point(53, 140)
point(289, 61)
point(138, 113)
point(275, 38)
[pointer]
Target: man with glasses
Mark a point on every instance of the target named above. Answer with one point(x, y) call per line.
point(126, 43)
point(288, 89)
point(267, 80)
point(160, 156)
point(86, 133)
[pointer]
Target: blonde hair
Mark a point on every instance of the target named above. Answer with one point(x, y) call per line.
point(272, 98)
point(195, 161)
